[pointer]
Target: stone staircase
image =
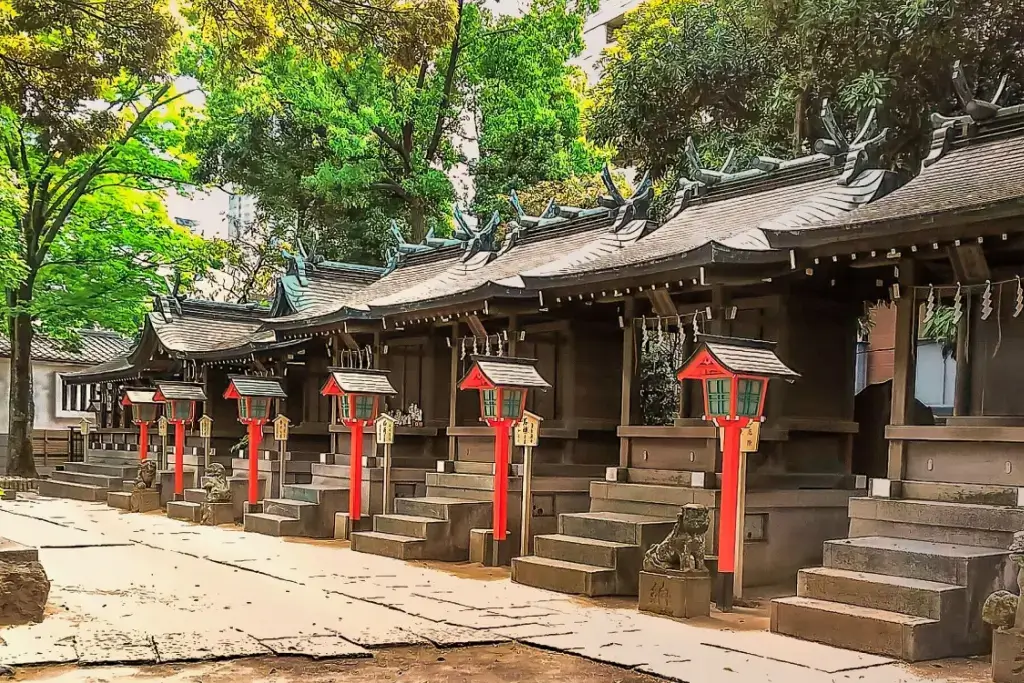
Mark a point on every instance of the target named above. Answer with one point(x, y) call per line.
point(306, 509)
point(188, 509)
point(89, 481)
point(912, 578)
point(429, 528)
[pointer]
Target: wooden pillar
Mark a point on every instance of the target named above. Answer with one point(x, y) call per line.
point(513, 334)
point(962, 390)
point(903, 366)
point(719, 302)
point(428, 377)
point(453, 387)
point(628, 353)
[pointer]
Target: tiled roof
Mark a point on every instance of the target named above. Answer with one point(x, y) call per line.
point(309, 285)
point(192, 326)
point(181, 391)
point(110, 371)
point(250, 385)
point(511, 372)
point(96, 346)
point(135, 396)
point(747, 356)
point(363, 381)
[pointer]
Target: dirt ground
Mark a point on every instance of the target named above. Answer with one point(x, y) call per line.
point(490, 664)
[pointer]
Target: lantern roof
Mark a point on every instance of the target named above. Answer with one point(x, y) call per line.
point(357, 381)
point(735, 356)
point(249, 386)
point(489, 372)
point(136, 396)
point(180, 391)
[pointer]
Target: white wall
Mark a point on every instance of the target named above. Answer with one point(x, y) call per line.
point(595, 35)
point(44, 385)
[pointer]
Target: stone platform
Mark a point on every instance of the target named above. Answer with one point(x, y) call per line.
point(676, 594)
point(24, 586)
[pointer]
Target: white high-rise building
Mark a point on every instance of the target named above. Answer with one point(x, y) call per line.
point(241, 212)
point(599, 34)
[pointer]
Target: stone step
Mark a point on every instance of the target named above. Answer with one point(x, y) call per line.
point(330, 471)
point(186, 510)
point(915, 597)
point(271, 525)
point(241, 466)
point(564, 577)
point(438, 507)
point(120, 471)
point(978, 494)
point(469, 467)
point(676, 496)
point(616, 527)
point(939, 513)
point(108, 482)
point(469, 482)
point(388, 545)
point(880, 632)
point(941, 562)
point(195, 495)
point(122, 500)
point(590, 551)
point(638, 475)
point(427, 528)
point(69, 489)
point(318, 493)
point(923, 532)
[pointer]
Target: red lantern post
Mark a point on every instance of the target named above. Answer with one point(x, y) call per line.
point(503, 383)
point(358, 393)
point(144, 411)
point(179, 399)
point(735, 374)
point(254, 396)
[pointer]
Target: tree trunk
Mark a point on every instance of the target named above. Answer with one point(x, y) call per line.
point(20, 459)
point(417, 221)
point(799, 120)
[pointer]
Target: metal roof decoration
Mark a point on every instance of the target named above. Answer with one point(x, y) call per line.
point(399, 251)
point(311, 280)
point(981, 117)
point(485, 239)
point(503, 371)
point(739, 356)
point(254, 386)
point(136, 396)
point(180, 391)
point(92, 346)
point(357, 381)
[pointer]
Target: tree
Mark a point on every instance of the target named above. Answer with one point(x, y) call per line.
point(577, 190)
point(684, 68)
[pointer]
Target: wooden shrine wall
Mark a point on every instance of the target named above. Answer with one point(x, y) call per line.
point(996, 355)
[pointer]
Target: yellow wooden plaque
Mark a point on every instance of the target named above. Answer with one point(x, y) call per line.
point(385, 428)
point(205, 426)
point(161, 425)
point(527, 430)
point(84, 425)
point(281, 424)
point(750, 438)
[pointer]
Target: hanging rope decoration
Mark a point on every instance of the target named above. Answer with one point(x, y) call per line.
point(958, 305)
point(1018, 304)
point(929, 309)
point(986, 301)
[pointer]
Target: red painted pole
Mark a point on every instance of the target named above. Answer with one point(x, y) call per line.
point(727, 510)
point(355, 468)
point(143, 440)
point(501, 432)
point(255, 436)
point(179, 458)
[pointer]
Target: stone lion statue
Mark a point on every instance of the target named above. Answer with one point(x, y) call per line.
point(1004, 610)
point(683, 549)
point(216, 484)
point(146, 476)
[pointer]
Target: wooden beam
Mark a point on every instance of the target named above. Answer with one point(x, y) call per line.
point(626, 398)
point(476, 327)
point(719, 301)
point(969, 263)
point(349, 341)
point(962, 386)
point(903, 366)
point(453, 387)
point(661, 302)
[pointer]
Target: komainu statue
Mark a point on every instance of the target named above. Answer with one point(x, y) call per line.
point(683, 549)
point(1004, 610)
point(216, 484)
point(146, 476)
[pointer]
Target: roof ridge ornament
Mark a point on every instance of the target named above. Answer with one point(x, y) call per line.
point(944, 128)
point(638, 206)
point(977, 109)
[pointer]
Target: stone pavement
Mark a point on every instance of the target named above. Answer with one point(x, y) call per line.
point(130, 588)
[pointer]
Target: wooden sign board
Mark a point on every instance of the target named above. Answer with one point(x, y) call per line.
point(750, 438)
point(527, 430)
point(205, 426)
point(281, 424)
point(84, 425)
point(161, 425)
point(385, 427)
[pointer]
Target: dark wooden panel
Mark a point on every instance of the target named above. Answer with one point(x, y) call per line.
point(673, 454)
point(966, 462)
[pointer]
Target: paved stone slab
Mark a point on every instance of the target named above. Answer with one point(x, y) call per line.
point(43, 534)
point(317, 647)
point(104, 646)
point(192, 647)
point(793, 651)
point(484, 619)
point(444, 635)
point(50, 642)
point(380, 635)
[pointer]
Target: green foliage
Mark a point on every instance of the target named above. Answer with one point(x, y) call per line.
point(941, 328)
point(581, 191)
point(659, 387)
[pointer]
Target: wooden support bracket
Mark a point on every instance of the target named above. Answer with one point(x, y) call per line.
point(475, 326)
point(969, 263)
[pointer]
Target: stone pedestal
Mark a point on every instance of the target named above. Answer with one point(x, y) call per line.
point(144, 500)
point(1007, 656)
point(24, 587)
point(676, 594)
point(345, 525)
point(122, 500)
point(215, 514)
point(482, 548)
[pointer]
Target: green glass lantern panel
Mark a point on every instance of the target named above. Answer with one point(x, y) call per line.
point(145, 412)
point(511, 403)
point(718, 395)
point(489, 402)
point(259, 408)
point(748, 397)
point(243, 408)
point(364, 407)
point(344, 401)
point(181, 410)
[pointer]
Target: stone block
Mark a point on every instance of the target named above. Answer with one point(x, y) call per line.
point(345, 525)
point(215, 514)
point(24, 589)
point(676, 594)
point(9, 495)
point(144, 500)
point(482, 549)
point(1007, 656)
point(122, 500)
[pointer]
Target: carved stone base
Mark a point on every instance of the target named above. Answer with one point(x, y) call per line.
point(482, 550)
point(676, 594)
point(215, 514)
point(1008, 656)
point(24, 587)
point(144, 500)
point(345, 525)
